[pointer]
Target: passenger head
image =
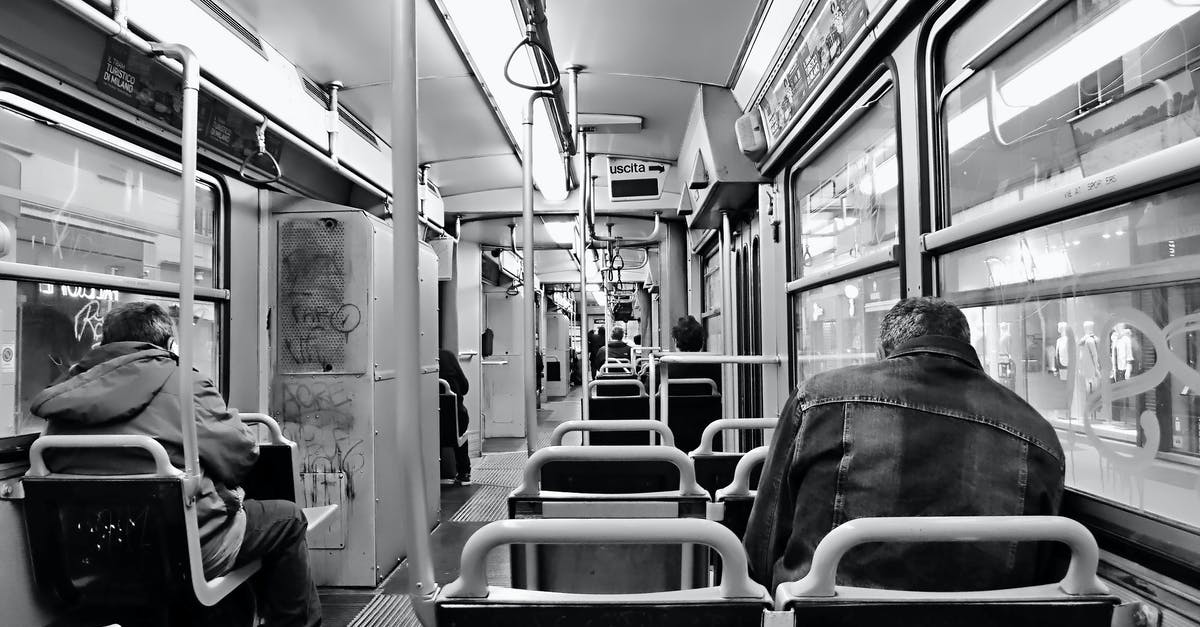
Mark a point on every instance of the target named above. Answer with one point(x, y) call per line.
point(618, 333)
point(688, 334)
point(139, 322)
point(914, 317)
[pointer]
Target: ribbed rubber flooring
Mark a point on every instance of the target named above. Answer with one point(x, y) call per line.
point(489, 503)
point(387, 610)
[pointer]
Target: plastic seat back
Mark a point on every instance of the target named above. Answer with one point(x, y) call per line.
point(715, 469)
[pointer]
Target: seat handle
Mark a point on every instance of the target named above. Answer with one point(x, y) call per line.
point(668, 438)
point(531, 482)
point(1080, 579)
point(740, 486)
point(162, 462)
point(692, 381)
point(472, 579)
point(717, 426)
point(271, 424)
point(598, 383)
point(445, 385)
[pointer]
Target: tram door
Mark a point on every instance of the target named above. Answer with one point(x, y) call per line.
point(748, 293)
point(503, 400)
point(334, 377)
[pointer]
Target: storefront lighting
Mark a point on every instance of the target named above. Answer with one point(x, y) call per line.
point(489, 31)
point(1106, 235)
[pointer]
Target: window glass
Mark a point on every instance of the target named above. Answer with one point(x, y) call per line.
point(845, 204)
point(1098, 84)
point(1140, 240)
point(985, 24)
point(80, 206)
point(838, 324)
point(1115, 373)
point(58, 323)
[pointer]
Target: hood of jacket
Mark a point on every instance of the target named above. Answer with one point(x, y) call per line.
point(112, 383)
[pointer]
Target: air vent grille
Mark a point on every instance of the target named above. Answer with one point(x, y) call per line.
point(235, 26)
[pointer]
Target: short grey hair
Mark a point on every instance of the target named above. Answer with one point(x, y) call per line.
point(914, 317)
point(139, 321)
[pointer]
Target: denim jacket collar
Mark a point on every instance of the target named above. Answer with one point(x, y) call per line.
point(938, 345)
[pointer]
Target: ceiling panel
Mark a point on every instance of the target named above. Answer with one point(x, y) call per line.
point(689, 40)
point(464, 176)
point(454, 121)
point(664, 105)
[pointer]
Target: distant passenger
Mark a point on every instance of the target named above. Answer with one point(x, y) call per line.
point(615, 349)
point(689, 336)
point(450, 370)
point(922, 432)
point(129, 385)
point(595, 341)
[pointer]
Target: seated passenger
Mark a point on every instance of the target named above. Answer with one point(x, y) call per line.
point(922, 432)
point(129, 385)
point(689, 336)
point(615, 349)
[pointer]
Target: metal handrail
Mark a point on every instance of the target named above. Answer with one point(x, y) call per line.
point(691, 381)
point(472, 579)
point(531, 481)
point(592, 385)
point(1080, 579)
point(270, 423)
point(668, 438)
point(731, 424)
point(162, 462)
point(740, 485)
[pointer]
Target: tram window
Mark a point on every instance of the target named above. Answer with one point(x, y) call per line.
point(57, 323)
point(1096, 85)
point(986, 24)
point(77, 205)
point(710, 300)
point(845, 204)
point(838, 324)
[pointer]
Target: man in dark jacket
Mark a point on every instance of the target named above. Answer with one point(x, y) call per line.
point(129, 385)
point(922, 432)
point(452, 372)
point(615, 349)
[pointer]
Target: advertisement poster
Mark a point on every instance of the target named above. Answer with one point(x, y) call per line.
point(826, 32)
point(146, 85)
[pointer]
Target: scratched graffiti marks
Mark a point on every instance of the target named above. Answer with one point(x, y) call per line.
point(108, 536)
point(319, 417)
point(316, 321)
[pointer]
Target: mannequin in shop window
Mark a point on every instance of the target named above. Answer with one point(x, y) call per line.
point(1087, 376)
point(1121, 352)
point(1005, 372)
point(1062, 353)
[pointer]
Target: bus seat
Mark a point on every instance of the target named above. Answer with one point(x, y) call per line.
point(610, 568)
point(714, 469)
point(450, 435)
point(470, 601)
point(276, 474)
point(734, 501)
point(617, 399)
point(652, 426)
point(692, 405)
point(125, 546)
point(1079, 600)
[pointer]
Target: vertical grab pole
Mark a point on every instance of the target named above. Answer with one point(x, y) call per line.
point(187, 245)
point(529, 317)
point(653, 385)
point(406, 300)
point(585, 361)
point(728, 309)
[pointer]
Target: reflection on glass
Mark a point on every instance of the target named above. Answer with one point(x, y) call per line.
point(1115, 374)
point(846, 202)
point(838, 324)
point(1096, 85)
point(58, 323)
point(76, 205)
point(1159, 233)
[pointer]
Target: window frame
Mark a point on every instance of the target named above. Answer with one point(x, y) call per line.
point(1142, 536)
point(218, 296)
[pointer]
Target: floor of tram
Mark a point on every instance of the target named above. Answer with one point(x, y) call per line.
point(464, 510)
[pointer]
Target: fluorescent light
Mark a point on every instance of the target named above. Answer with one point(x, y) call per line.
point(562, 232)
point(1125, 28)
point(489, 31)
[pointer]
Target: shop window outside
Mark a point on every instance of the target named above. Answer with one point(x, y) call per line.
point(837, 325)
point(1098, 84)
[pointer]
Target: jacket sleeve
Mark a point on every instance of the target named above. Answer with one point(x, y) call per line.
point(770, 524)
point(228, 448)
point(460, 377)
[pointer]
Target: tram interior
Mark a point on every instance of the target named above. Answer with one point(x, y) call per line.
point(437, 253)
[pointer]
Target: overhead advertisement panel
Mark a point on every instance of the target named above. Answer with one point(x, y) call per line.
point(633, 179)
point(828, 29)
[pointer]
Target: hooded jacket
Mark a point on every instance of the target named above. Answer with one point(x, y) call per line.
point(131, 388)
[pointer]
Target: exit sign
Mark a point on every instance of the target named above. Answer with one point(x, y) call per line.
point(632, 179)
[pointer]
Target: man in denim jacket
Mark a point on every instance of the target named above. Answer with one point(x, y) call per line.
point(922, 432)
